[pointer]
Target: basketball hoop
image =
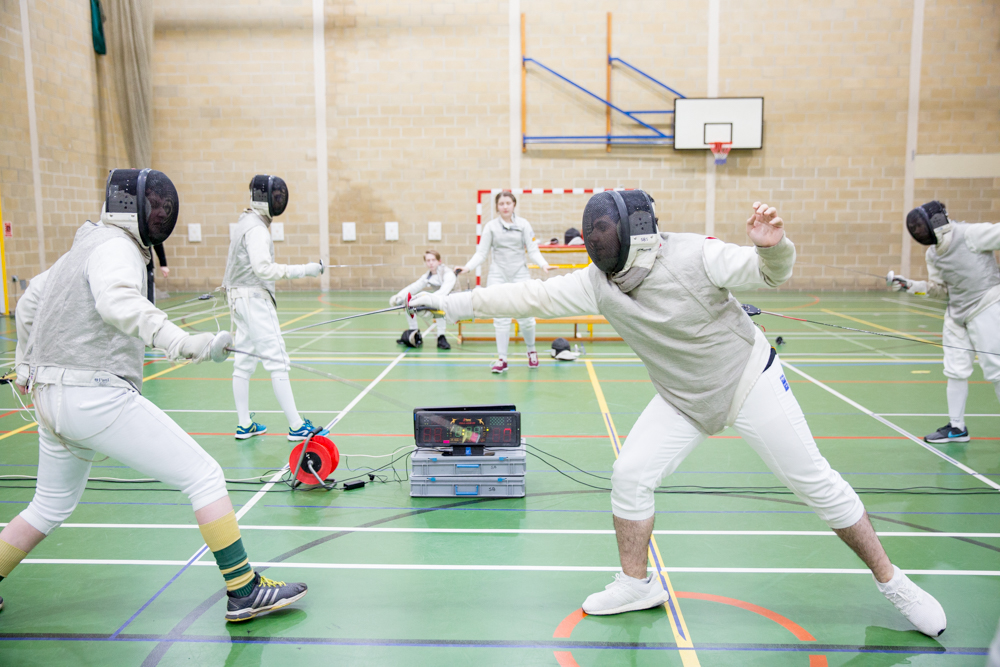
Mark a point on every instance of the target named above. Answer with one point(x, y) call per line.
point(720, 149)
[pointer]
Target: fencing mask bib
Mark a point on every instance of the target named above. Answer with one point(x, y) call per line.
point(144, 198)
point(268, 195)
point(617, 226)
point(922, 221)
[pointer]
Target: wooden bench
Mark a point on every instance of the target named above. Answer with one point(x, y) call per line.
point(588, 320)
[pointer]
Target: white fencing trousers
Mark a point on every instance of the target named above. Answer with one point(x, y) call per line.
point(75, 424)
point(770, 421)
point(980, 333)
point(502, 324)
point(257, 330)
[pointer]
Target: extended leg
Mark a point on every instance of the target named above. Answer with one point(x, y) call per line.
point(502, 327)
point(528, 331)
point(957, 368)
point(863, 540)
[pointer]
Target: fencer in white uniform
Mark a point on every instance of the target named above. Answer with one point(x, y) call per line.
point(81, 330)
point(668, 296)
point(960, 268)
point(249, 283)
point(510, 239)
point(439, 277)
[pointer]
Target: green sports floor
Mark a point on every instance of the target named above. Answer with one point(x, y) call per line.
point(757, 578)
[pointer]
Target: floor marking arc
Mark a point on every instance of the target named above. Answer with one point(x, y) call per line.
point(677, 625)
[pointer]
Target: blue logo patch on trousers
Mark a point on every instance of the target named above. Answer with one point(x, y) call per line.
point(784, 382)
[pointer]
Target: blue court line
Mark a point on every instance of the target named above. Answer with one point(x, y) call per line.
point(195, 557)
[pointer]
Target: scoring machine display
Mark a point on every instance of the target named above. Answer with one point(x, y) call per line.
point(446, 428)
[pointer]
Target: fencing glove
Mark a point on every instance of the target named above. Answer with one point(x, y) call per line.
point(398, 299)
point(429, 301)
point(313, 269)
point(196, 347)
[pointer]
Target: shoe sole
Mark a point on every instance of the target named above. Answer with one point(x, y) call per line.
point(942, 441)
point(263, 611)
point(499, 372)
point(638, 605)
point(247, 436)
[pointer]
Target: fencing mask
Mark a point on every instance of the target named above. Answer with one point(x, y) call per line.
point(268, 195)
point(923, 220)
point(411, 338)
point(144, 198)
point(562, 351)
point(617, 226)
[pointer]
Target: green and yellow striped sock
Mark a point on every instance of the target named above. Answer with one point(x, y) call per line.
point(10, 556)
point(223, 537)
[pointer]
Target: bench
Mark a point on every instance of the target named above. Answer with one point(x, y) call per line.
point(587, 320)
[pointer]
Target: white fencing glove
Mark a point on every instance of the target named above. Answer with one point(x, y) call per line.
point(431, 301)
point(313, 269)
point(196, 347)
point(900, 283)
point(398, 299)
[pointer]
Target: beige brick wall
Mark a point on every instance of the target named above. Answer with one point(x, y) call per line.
point(418, 120)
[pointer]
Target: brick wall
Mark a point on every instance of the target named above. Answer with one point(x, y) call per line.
point(418, 120)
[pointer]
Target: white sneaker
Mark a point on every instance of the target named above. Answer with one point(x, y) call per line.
point(627, 594)
point(916, 604)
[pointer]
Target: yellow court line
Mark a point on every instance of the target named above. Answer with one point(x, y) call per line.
point(163, 372)
point(922, 312)
point(204, 319)
point(879, 326)
point(689, 658)
point(301, 317)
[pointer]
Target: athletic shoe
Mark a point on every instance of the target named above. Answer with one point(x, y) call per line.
point(532, 359)
point(244, 432)
point(627, 594)
point(1, 603)
point(916, 604)
point(302, 432)
point(948, 433)
point(443, 343)
point(499, 366)
point(265, 597)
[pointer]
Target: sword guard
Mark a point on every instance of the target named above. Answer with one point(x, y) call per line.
point(750, 310)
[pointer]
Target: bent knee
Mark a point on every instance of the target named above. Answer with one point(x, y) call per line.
point(208, 486)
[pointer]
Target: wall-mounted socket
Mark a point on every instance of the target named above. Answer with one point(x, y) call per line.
point(277, 231)
point(392, 231)
point(433, 231)
point(348, 231)
point(194, 232)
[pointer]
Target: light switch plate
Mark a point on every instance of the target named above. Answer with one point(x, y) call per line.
point(194, 232)
point(433, 231)
point(277, 231)
point(392, 231)
point(349, 231)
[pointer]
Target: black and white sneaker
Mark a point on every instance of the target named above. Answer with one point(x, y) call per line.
point(266, 596)
point(948, 433)
point(443, 343)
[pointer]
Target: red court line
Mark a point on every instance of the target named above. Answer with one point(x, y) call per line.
point(818, 661)
point(565, 628)
point(808, 305)
point(800, 633)
point(565, 659)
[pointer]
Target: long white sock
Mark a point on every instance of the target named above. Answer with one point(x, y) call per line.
point(241, 394)
point(958, 393)
point(996, 388)
point(283, 392)
point(503, 341)
point(412, 322)
point(529, 336)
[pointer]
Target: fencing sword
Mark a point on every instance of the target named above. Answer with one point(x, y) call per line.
point(753, 311)
point(406, 306)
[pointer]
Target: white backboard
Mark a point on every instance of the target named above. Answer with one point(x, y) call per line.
point(700, 121)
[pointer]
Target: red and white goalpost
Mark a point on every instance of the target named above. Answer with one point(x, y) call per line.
point(490, 194)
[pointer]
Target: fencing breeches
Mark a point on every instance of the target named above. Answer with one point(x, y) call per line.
point(75, 424)
point(770, 421)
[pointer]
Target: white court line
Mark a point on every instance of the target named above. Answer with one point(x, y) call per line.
point(520, 531)
point(507, 568)
point(364, 392)
point(897, 429)
point(939, 311)
point(927, 414)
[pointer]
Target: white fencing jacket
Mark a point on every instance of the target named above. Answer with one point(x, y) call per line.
point(508, 243)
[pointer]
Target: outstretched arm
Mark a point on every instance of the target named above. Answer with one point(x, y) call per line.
point(267, 269)
point(531, 247)
point(983, 237)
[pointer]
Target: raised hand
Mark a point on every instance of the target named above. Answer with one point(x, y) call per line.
point(764, 227)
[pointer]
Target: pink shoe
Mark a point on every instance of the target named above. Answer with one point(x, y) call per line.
point(532, 360)
point(499, 366)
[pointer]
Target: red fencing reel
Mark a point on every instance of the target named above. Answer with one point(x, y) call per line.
point(321, 453)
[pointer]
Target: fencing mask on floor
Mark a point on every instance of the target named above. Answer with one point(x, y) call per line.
point(144, 199)
point(617, 226)
point(268, 195)
point(411, 338)
point(922, 222)
point(562, 351)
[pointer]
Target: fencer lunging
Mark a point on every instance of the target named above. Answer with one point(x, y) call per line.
point(249, 284)
point(961, 269)
point(509, 238)
point(81, 330)
point(668, 296)
point(437, 276)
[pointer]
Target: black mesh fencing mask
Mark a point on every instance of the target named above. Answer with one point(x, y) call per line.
point(268, 195)
point(616, 226)
point(146, 197)
point(923, 220)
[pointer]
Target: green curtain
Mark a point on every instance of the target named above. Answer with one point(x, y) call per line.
point(97, 24)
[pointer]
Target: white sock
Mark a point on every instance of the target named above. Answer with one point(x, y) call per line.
point(412, 322)
point(241, 394)
point(529, 337)
point(958, 393)
point(996, 389)
point(283, 392)
point(503, 342)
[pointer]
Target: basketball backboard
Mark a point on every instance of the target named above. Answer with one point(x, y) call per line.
point(701, 122)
